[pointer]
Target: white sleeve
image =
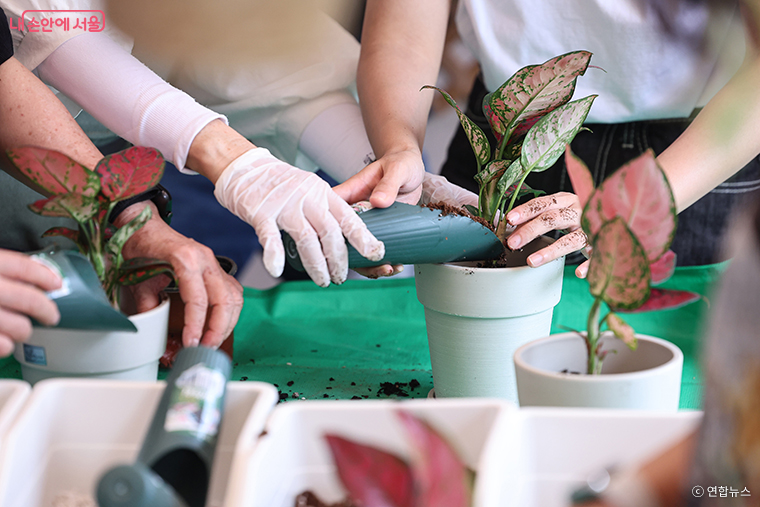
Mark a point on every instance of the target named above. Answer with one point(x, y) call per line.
point(126, 96)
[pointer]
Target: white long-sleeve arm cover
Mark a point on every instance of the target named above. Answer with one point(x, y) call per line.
point(126, 96)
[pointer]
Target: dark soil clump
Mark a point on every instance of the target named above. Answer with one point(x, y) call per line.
point(309, 499)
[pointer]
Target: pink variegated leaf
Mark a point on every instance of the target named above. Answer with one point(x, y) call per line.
point(77, 206)
point(497, 126)
point(440, 477)
point(134, 271)
point(535, 90)
point(619, 270)
point(54, 172)
point(663, 268)
point(372, 476)
point(665, 299)
point(580, 176)
point(63, 232)
point(130, 172)
point(493, 169)
point(546, 140)
point(622, 330)
point(638, 192)
point(475, 135)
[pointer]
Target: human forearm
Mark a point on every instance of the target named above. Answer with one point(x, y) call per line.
point(32, 115)
point(402, 44)
point(723, 138)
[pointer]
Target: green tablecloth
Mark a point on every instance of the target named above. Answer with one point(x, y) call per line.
point(366, 338)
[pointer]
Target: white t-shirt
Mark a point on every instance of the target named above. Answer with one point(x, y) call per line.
point(649, 74)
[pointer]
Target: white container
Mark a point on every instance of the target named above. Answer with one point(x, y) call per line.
point(478, 317)
point(293, 456)
point(557, 449)
point(72, 431)
point(648, 378)
point(117, 355)
point(13, 394)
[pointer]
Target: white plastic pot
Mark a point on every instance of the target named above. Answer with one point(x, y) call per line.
point(119, 355)
point(477, 317)
point(293, 456)
point(555, 450)
point(71, 431)
point(648, 378)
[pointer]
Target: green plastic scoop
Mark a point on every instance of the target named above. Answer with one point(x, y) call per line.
point(81, 300)
point(417, 235)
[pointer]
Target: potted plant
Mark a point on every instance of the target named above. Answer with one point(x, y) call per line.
point(478, 314)
point(630, 220)
point(88, 197)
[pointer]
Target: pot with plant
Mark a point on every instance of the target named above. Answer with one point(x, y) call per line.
point(94, 338)
point(630, 221)
point(479, 313)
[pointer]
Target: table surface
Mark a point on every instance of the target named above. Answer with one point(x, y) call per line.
point(366, 338)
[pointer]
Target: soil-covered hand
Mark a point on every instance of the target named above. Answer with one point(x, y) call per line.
point(396, 176)
point(203, 284)
point(560, 211)
point(23, 283)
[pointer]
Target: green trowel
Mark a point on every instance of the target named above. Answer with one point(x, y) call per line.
point(417, 235)
point(81, 300)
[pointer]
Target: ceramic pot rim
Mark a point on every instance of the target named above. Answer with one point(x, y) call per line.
point(522, 364)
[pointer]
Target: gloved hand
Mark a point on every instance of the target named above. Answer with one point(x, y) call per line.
point(438, 189)
point(271, 195)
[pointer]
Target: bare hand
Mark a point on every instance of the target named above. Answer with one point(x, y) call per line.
point(394, 177)
point(23, 283)
point(202, 283)
point(543, 214)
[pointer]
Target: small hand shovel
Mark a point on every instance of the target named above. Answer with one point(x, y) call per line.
point(417, 235)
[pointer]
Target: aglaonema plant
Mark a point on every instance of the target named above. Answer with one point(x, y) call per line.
point(532, 118)
point(88, 197)
point(434, 476)
point(630, 220)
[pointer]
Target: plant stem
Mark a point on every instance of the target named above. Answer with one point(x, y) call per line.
point(592, 338)
point(517, 191)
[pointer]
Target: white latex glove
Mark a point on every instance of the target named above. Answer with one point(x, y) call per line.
point(271, 195)
point(438, 189)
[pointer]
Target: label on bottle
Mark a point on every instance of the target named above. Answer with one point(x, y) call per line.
point(195, 405)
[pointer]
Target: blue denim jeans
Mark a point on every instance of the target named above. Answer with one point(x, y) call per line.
point(604, 149)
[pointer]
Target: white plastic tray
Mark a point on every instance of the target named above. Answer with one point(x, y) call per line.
point(13, 394)
point(293, 455)
point(72, 430)
point(554, 450)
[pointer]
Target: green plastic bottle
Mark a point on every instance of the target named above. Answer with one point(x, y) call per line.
point(173, 467)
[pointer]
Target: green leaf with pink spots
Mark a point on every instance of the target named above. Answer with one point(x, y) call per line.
point(546, 140)
point(475, 135)
point(130, 172)
point(622, 330)
point(493, 169)
point(134, 271)
point(638, 192)
point(64, 232)
point(497, 126)
point(535, 90)
point(123, 233)
point(54, 172)
point(77, 206)
point(619, 269)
